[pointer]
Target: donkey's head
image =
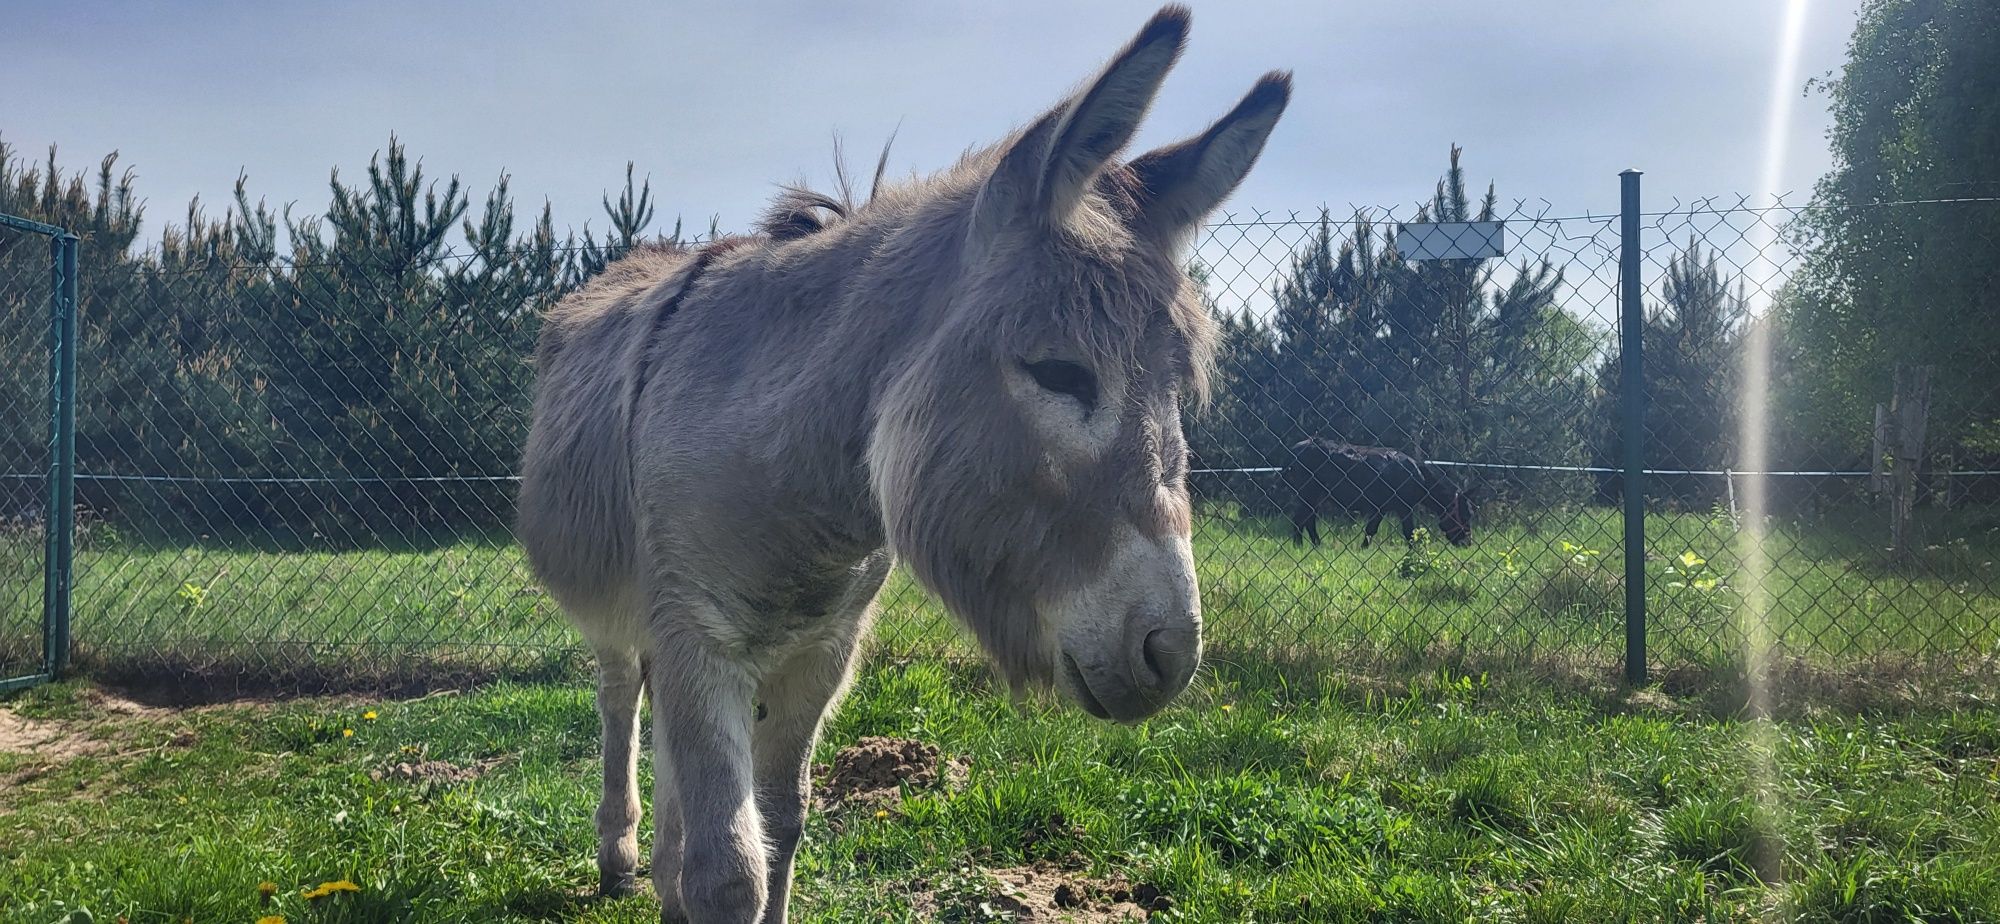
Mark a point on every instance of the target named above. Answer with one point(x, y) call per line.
point(1453, 505)
point(1029, 460)
point(1455, 518)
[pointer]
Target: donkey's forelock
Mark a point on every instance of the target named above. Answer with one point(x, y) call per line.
point(1120, 303)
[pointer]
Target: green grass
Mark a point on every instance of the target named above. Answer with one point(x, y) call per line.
point(1537, 584)
point(1343, 757)
point(1262, 796)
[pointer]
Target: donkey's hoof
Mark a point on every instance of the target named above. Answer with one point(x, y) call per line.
point(624, 886)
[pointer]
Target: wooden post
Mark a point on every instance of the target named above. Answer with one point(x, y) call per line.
point(1729, 478)
point(1909, 418)
point(1878, 450)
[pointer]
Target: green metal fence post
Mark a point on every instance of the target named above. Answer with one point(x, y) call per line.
point(1632, 408)
point(61, 522)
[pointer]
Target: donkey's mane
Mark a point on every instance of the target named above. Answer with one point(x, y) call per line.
point(800, 211)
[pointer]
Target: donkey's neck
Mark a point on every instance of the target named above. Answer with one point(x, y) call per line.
point(847, 308)
point(1437, 493)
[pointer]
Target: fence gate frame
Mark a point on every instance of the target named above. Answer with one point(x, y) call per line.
point(59, 521)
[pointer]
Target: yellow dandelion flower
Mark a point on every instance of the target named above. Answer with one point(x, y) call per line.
point(271, 919)
point(369, 715)
point(325, 889)
point(347, 733)
point(881, 813)
point(267, 890)
point(1227, 706)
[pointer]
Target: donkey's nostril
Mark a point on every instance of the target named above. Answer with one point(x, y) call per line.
point(1156, 667)
point(1169, 656)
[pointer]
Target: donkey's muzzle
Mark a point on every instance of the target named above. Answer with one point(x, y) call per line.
point(1156, 663)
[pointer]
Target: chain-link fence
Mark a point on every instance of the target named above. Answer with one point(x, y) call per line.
point(1780, 518)
point(301, 466)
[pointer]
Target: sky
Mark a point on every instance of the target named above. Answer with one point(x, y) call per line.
point(717, 102)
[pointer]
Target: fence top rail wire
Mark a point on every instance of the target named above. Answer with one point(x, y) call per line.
point(1256, 219)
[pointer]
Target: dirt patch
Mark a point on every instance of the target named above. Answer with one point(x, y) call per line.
point(1653, 701)
point(874, 772)
point(39, 747)
point(50, 742)
point(1043, 893)
point(95, 722)
point(430, 772)
point(1046, 893)
point(107, 703)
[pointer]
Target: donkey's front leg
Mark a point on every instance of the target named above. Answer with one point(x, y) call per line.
point(795, 699)
point(701, 733)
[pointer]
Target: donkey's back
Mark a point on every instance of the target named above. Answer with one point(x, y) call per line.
point(1358, 479)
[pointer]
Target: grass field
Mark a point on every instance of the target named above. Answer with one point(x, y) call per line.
point(1385, 734)
point(1546, 586)
point(1259, 797)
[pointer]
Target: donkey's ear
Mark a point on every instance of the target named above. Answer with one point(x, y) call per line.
point(1180, 184)
point(1052, 164)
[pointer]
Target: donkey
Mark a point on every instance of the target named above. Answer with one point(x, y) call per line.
point(980, 374)
point(1325, 475)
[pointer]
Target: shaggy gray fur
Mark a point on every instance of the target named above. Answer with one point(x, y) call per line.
point(732, 446)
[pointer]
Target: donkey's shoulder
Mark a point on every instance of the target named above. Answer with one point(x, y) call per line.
point(620, 287)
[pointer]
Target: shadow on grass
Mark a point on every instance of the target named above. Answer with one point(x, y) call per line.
point(176, 678)
point(1717, 687)
point(1361, 676)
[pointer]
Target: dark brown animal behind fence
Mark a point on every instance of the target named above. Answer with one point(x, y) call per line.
point(1324, 476)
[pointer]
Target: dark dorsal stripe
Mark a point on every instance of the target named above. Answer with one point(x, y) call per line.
point(702, 258)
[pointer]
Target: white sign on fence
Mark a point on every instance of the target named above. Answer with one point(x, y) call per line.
point(1452, 240)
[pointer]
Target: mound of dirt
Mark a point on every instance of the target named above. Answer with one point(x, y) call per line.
point(434, 772)
point(875, 771)
point(1046, 893)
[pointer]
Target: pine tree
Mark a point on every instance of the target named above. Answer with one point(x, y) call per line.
point(1430, 358)
point(1692, 342)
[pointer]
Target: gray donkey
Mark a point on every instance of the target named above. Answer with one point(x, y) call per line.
point(980, 373)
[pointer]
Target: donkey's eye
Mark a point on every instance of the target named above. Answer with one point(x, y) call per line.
point(1065, 378)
